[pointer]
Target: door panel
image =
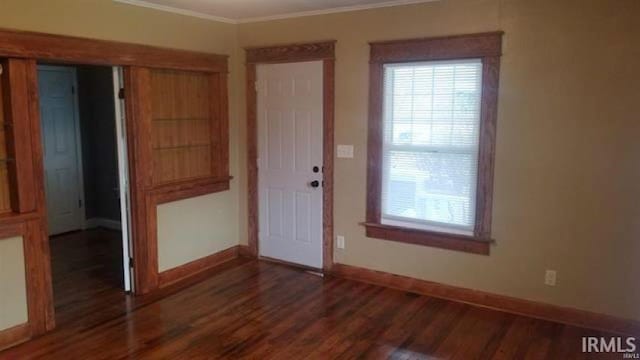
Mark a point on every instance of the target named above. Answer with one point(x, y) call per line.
point(60, 146)
point(289, 146)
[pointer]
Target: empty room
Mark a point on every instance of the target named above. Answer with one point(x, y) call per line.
point(322, 179)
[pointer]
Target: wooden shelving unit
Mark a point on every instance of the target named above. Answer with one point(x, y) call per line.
point(181, 126)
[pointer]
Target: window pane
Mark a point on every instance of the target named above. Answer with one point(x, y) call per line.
point(431, 122)
point(432, 187)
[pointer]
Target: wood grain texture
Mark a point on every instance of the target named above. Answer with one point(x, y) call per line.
point(179, 129)
point(245, 251)
point(324, 51)
point(28, 218)
point(38, 285)
point(291, 52)
point(67, 49)
point(38, 269)
point(138, 114)
point(14, 335)
point(17, 116)
point(189, 189)
point(508, 304)
point(374, 144)
point(5, 191)
point(328, 131)
point(487, 151)
point(181, 273)
point(438, 48)
point(182, 125)
point(245, 309)
point(487, 47)
point(252, 159)
point(455, 242)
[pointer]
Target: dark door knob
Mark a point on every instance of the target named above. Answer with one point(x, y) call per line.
point(315, 183)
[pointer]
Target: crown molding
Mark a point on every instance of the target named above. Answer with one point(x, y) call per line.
point(176, 10)
point(171, 9)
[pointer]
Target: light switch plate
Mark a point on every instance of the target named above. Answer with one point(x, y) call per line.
point(345, 151)
point(340, 242)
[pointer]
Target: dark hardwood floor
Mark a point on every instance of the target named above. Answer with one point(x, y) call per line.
point(251, 309)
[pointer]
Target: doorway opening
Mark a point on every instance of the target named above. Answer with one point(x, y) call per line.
point(86, 182)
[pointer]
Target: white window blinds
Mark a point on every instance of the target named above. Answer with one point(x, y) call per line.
point(431, 117)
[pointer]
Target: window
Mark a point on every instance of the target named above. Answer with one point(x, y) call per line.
point(431, 140)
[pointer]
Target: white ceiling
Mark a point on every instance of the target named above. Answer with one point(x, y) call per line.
point(239, 11)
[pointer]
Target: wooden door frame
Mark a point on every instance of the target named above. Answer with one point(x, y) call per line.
point(317, 51)
point(28, 217)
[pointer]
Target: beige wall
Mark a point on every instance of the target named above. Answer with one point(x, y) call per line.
point(105, 19)
point(204, 228)
point(13, 291)
point(567, 194)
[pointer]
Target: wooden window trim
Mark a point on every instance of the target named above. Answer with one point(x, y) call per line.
point(324, 51)
point(488, 48)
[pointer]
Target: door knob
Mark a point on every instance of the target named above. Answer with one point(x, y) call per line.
point(315, 183)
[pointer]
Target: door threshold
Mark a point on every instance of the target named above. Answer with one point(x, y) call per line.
point(309, 269)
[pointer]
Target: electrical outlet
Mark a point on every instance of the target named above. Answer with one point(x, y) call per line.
point(340, 242)
point(550, 277)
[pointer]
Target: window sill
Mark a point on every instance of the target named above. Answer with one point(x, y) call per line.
point(455, 242)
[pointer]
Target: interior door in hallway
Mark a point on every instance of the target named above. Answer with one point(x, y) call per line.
point(60, 137)
point(290, 159)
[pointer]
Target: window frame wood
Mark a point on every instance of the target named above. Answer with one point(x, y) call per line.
point(484, 46)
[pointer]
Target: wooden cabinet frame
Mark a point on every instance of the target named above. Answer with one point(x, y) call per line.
point(21, 50)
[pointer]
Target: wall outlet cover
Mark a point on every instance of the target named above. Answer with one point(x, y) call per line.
point(345, 151)
point(550, 277)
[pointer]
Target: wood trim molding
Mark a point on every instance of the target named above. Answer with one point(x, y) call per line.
point(503, 303)
point(245, 251)
point(137, 107)
point(68, 49)
point(479, 45)
point(440, 240)
point(17, 114)
point(328, 156)
point(487, 47)
point(186, 190)
point(14, 335)
point(195, 267)
point(38, 273)
point(291, 53)
point(324, 51)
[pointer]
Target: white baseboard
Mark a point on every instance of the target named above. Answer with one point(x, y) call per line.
point(102, 222)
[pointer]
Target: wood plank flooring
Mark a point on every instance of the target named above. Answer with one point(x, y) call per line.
point(252, 309)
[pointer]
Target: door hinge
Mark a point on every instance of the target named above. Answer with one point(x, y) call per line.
point(79, 203)
point(121, 93)
point(130, 262)
point(1, 69)
point(73, 89)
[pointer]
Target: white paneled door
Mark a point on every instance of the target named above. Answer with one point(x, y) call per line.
point(290, 162)
point(60, 137)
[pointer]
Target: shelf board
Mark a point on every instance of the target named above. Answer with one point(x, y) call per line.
point(181, 147)
point(180, 119)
